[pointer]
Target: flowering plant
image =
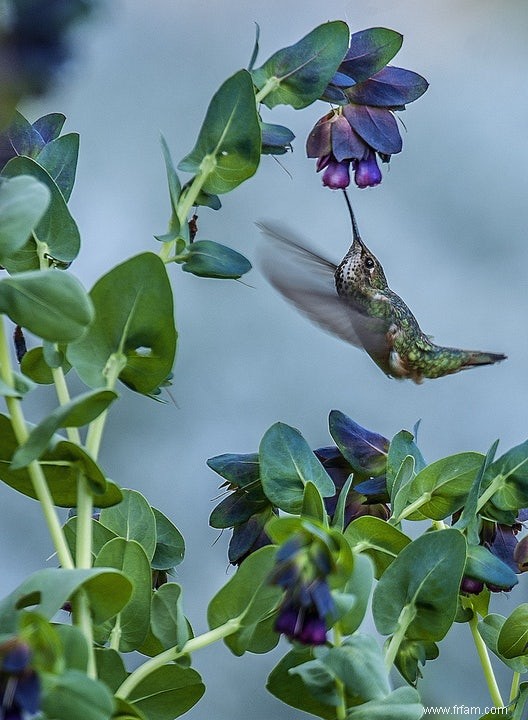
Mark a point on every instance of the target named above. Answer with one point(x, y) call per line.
point(312, 531)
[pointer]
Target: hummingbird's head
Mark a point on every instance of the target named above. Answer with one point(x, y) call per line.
point(364, 266)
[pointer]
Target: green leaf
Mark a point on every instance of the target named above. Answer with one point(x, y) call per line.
point(134, 322)
point(338, 519)
point(509, 474)
point(313, 504)
point(419, 591)
point(59, 158)
point(168, 692)
point(78, 412)
point(290, 688)
point(300, 73)
point(37, 369)
point(402, 490)
point(23, 201)
point(446, 483)
point(170, 545)
point(489, 629)
point(74, 647)
point(227, 151)
point(512, 641)
point(248, 596)
point(50, 304)
point(73, 694)
point(379, 540)
point(210, 259)
point(174, 186)
point(132, 519)
point(286, 465)
point(21, 386)
point(402, 445)
point(402, 704)
point(57, 229)
point(168, 622)
point(358, 664)
point(100, 535)
point(358, 586)
point(134, 619)
point(49, 126)
point(63, 465)
point(108, 591)
point(110, 667)
point(483, 565)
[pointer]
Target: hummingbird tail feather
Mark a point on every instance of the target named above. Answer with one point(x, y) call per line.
point(484, 358)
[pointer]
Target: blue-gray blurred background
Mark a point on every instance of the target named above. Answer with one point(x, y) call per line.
point(448, 224)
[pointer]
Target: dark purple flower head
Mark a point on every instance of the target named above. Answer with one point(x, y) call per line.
point(19, 683)
point(303, 565)
point(336, 175)
point(471, 586)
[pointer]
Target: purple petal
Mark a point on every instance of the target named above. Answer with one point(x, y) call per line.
point(313, 631)
point(322, 598)
point(27, 693)
point(337, 175)
point(390, 87)
point(346, 143)
point(367, 172)
point(377, 127)
point(17, 658)
point(504, 545)
point(318, 142)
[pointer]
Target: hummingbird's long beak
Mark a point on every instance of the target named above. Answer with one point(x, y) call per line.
point(355, 230)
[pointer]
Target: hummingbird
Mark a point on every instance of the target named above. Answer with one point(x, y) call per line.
point(354, 301)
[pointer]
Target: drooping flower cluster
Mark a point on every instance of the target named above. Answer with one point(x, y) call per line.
point(302, 569)
point(362, 127)
point(19, 683)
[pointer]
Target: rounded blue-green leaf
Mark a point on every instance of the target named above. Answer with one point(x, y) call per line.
point(489, 629)
point(134, 619)
point(301, 72)
point(379, 540)
point(48, 589)
point(57, 228)
point(132, 519)
point(227, 150)
point(420, 588)
point(23, 201)
point(481, 564)
point(167, 692)
point(51, 304)
point(168, 622)
point(286, 464)
point(63, 465)
point(34, 366)
point(513, 637)
point(49, 126)
point(210, 259)
point(170, 544)
point(134, 320)
point(73, 694)
point(59, 158)
point(76, 413)
point(250, 597)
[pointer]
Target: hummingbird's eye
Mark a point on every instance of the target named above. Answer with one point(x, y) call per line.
point(369, 263)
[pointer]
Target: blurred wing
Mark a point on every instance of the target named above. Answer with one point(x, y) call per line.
point(306, 279)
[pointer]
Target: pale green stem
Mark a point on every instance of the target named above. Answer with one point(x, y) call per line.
point(115, 635)
point(196, 643)
point(514, 691)
point(35, 471)
point(341, 709)
point(406, 617)
point(187, 200)
point(413, 507)
point(487, 669)
point(488, 493)
point(438, 524)
point(270, 85)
